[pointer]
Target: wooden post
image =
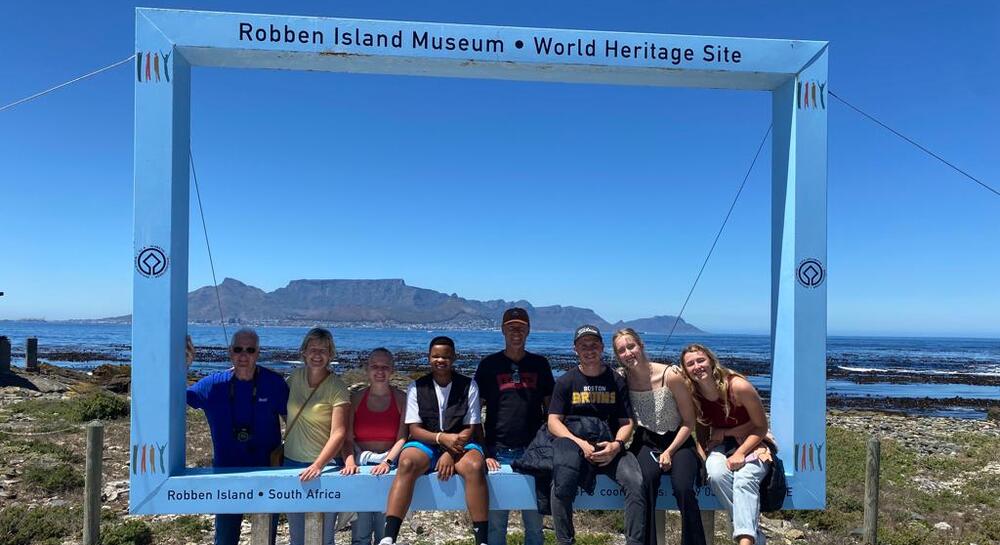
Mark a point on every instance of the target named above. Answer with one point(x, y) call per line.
point(31, 354)
point(870, 536)
point(4, 355)
point(660, 523)
point(92, 484)
point(708, 524)
point(260, 528)
point(314, 528)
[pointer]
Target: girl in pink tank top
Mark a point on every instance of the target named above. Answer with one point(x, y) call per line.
point(375, 436)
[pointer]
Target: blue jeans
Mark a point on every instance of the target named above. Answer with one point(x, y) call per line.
point(739, 492)
point(368, 528)
point(498, 519)
point(297, 521)
point(227, 528)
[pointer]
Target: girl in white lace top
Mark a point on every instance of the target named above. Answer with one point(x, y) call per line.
point(662, 441)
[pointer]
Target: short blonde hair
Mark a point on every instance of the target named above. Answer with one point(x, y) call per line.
point(318, 334)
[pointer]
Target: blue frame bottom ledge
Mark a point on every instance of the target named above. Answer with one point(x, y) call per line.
point(279, 490)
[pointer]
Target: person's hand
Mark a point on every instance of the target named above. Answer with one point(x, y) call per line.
point(188, 351)
point(736, 461)
point(665, 461)
point(452, 442)
point(310, 472)
point(461, 439)
point(445, 466)
point(350, 468)
point(607, 450)
point(588, 450)
point(492, 464)
point(381, 469)
point(715, 438)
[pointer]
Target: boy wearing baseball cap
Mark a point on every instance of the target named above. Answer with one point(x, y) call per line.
point(594, 392)
point(515, 386)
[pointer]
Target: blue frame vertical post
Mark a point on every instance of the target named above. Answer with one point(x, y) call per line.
point(160, 278)
point(798, 276)
point(170, 42)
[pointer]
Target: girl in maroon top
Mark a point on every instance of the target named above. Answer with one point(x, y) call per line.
point(375, 436)
point(729, 405)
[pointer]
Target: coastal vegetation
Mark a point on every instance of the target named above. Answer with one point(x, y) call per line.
point(942, 496)
point(39, 525)
point(99, 405)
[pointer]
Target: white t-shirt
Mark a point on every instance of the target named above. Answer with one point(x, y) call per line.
point(472, 416)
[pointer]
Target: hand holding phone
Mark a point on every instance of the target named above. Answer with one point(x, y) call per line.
point(663, 459)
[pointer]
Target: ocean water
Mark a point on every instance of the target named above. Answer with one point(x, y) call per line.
point(924, 355)
point(956, 364)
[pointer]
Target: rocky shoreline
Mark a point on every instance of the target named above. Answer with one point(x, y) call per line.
point(836, 368)
point(111, 371)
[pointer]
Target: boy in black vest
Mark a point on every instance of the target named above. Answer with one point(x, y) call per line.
point(442, 411)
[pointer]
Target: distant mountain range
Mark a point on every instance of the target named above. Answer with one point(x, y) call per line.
point(389, 303)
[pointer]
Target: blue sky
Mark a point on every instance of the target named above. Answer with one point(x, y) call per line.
point(597, 196)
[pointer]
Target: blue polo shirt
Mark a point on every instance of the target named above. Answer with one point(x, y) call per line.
point(231, 405)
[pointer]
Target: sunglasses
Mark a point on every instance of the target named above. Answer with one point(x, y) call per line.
point(241, 349)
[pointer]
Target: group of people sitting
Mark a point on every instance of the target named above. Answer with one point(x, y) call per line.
point(634, 423)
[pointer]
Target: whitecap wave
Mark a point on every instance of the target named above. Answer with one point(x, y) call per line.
point(988, 372)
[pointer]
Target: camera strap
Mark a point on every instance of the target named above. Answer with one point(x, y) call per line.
point(253, 400)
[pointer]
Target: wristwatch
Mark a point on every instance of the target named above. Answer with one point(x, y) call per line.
point(622, 443)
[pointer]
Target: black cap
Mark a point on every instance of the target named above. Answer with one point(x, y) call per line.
point(585, 330)
point(515, 314)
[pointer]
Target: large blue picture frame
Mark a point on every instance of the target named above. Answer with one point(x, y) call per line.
point(170, 42)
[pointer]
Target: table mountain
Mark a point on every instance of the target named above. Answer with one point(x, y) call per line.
point(389, 302)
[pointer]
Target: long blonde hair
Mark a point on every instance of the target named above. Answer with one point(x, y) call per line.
point(720, 375)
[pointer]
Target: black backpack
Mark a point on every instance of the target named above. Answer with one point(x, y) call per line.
point(774, 487)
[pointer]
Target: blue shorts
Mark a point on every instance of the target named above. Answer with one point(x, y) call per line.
point(434, 452)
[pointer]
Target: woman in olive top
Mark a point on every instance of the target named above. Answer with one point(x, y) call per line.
point(318, 408)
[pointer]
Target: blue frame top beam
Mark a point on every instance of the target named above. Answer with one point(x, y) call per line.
point(474, 51)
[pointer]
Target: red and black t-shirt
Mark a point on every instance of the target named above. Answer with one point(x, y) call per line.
point(513, 394)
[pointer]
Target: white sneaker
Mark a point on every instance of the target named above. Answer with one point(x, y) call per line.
point(386, 541)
